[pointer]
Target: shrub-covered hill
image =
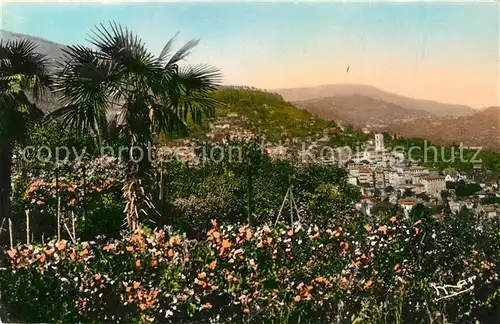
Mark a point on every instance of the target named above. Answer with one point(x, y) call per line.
point(269, 114)
point(263, 113)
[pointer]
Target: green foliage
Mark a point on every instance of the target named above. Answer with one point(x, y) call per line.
point(268, 114)
point(490, 200)
point(221, 191)
point(466, 189)
point(388, 270)
point(452, 157)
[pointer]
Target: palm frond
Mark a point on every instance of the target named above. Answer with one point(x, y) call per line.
point(200, 77)
point(182, 53)
point(123, 47)
point(165, 52)
point(166, 119)
point(26, 68)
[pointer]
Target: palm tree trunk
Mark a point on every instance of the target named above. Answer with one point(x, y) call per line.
point(6, 152)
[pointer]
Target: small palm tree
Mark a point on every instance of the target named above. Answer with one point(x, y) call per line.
point(151, 94)
point(23, 75)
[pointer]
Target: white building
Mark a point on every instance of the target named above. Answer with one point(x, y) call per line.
point(379, 142)
point(434, 185)
point(394, 178)
point(353, 180)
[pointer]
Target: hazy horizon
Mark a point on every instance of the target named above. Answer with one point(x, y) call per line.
point(442, 52)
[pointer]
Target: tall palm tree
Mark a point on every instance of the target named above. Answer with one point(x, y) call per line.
point(151, 94)
point(23, 75)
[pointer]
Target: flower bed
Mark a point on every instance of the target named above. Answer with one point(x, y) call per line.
point(397, 270)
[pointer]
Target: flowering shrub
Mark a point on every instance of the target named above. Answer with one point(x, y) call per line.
point(86, 190)
point(396, 271)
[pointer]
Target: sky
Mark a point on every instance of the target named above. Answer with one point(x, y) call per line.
point(447, 52)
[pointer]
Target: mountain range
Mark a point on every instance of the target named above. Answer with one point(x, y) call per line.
point(365, 106)
point(333, 90)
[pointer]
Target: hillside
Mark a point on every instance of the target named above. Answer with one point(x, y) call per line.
point(360, 111)
point(324, 91)
point(50, 49)
point(245, 111)
point(480, 129)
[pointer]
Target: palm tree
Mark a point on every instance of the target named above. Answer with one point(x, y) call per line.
point(151, 94)
point(23, 75)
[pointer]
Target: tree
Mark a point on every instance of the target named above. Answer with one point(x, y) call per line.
point(23, 75)
point(151, 94)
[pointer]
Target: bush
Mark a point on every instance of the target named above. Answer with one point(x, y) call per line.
point(394, 271)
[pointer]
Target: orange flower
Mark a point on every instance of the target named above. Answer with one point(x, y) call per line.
point(383, 229)
point(98, 276)
point(136, 284)
point(49, 251)
point(266, 229)
point(344, 246)
point(61, 245)
point(269, 240)
point(216, 235)
point(176, 240)
point(138, 263)
point(214, 222)
point(393, 219)
point(84, 252)
point(296, 299)
point(170, 253)
point(312, 237)
point(130, 248)
point(248, 235)
point(202, 275)
point(368, 284)
point(226, 244)
point(212, 265)
point(396, 267)
point(207, 305)
point(12, 253)
point(368, 227)
point(110, 247)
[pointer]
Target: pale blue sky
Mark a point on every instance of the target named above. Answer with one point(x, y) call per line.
point(447, 52)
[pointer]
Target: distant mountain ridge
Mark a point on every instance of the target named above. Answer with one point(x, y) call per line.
point(51, 49)
point(481, 129)
point(361, 111)
point(332, 90)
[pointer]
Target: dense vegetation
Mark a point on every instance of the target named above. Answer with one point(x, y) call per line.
point(102, 239)
point(442, 157)
point(269, 114)
point(391, 271)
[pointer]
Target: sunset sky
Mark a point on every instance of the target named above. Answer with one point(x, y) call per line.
point(447, 52)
